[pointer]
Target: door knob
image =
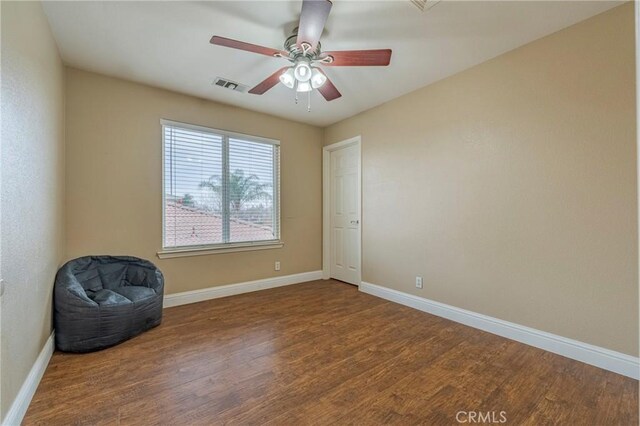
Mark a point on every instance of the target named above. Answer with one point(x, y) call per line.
point(355, 222)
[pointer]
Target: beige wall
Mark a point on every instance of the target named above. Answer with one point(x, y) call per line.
point(32, 191)
point(511, 187)
point(114, 185)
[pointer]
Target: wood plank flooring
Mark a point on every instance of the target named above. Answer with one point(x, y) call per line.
point(323, 353)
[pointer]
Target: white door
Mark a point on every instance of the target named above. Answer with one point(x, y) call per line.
point(345, 214)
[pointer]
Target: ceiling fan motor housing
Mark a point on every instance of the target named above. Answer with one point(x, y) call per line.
point(291, 46)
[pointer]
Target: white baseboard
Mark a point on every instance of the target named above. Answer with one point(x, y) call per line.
point(600, 357)
point(23, 399)
point(177, 299)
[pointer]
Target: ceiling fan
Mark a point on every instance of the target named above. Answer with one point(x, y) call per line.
point(303, 50)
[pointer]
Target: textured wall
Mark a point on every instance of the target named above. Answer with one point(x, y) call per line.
point(511, 187)
point(114, 182)
point(32, 188)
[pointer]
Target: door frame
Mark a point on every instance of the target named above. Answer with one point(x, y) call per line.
point(326, 203)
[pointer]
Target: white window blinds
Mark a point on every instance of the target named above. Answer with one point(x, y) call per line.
point(220, 188)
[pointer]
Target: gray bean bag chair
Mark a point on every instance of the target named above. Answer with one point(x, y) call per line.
point(100, 301)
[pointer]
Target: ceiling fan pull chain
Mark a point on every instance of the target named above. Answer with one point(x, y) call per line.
point(309, 101)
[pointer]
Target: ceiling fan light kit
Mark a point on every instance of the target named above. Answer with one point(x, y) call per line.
point(302, 77)
point(303, 50)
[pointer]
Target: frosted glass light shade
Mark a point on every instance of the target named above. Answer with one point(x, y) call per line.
point(287, 78)
point(317, 78)
point(303, 86)
point(302, 71)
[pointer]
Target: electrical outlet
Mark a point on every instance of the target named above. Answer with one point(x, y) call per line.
point(418, 282)
point(277, 265)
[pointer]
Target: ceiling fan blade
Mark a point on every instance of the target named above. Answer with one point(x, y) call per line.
point(328, 90)
point(268, 83)
point(241, 45)
point(312, 19)
point(358, 58)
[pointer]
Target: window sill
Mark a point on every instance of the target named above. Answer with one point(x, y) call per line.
point(228, 248)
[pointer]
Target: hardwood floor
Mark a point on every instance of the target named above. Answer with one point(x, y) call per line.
point(323, 353)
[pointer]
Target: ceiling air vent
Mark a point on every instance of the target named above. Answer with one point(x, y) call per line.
point(228, 84)
point(424, 4)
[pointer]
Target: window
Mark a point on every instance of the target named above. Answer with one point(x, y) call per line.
point(220, 189)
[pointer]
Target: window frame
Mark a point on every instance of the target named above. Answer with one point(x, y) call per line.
point(197, 250)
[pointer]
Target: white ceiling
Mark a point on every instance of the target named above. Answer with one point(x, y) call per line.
point(166, 44)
